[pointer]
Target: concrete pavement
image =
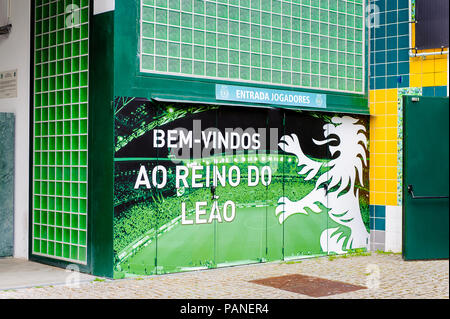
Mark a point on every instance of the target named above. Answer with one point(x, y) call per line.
point(386, 276)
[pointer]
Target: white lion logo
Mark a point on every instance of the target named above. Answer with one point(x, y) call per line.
point(343, 208)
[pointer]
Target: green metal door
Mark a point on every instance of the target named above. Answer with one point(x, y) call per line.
point(425, 179)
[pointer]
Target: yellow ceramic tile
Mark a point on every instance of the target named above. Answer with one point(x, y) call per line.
point(428, 65)
point(391, 159)
point(379, 160)
point(391, 186)
point(391, 172)
point(380, 198)
point(428, 79)
point(440, 64)
point(373, 122)
point(391, 107)
point(391, 146)
point(391, 120)
point(391, 95)
point(380, 95)
point(391, 199)
point(380, 186)
point(372, 95)
point(415, 66)
point(380, 172)
point(415, 80)
point(379, 146)
point(372, 199)
point(371, 146)
point(391, 133)
point(372, 108)
point(371, 179)
point(440, 79)
point(371, 184)
point(380, 134)
point(378, 121)
point(380, 108)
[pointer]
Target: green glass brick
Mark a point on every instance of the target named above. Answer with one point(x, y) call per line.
point(161, 64)
point(43, 246)
point(75, 49)
point(359, 74)
point(276, 48)
point(52, 39)
point(82, 254)
point(255, 74)
point(199, 22)
point(211, 69)
point(186, 65)
point(244, 73)
point(286, 36)
point(276, 77)
point(82, 238)
point(341, 71)
point(286, 64)
point(51, 245)
point(83, 95)
point(148, 14)
point(83, 190)
point(84, 33)
point(82, 222)
point(148, 30)
point(211, 39)
point(276, 63)
point(350, 85)
point(51, 215)
point(186, 68)
point(211, 54)
point(60, 22)
point(58, 247)
point(186, 19)
point(286, 78)
point(66, 142)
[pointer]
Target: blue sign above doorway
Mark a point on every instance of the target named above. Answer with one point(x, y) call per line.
point(270, 96)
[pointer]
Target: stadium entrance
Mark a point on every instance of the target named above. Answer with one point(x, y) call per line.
point(189, 196)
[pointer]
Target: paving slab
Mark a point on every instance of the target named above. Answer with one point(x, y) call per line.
point(20, 273)
point(384, 276)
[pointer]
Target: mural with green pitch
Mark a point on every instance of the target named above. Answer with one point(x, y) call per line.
point(201, 186)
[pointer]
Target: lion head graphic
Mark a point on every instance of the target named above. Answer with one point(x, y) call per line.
point(334, 189)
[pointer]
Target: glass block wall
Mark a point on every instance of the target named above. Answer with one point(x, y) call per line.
point(60, 130)
point(303, 43)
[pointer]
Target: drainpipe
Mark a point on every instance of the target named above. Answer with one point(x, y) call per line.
point(415, 54)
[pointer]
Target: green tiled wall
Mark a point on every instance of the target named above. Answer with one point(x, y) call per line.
point(304, 43)
point(59, 218)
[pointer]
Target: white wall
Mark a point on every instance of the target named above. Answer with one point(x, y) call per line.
point(393, 229)
point(15, 54)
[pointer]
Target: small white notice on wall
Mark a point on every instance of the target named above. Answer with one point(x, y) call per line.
point(8, 84)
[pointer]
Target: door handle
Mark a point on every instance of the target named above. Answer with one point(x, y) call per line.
point(411, 191)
